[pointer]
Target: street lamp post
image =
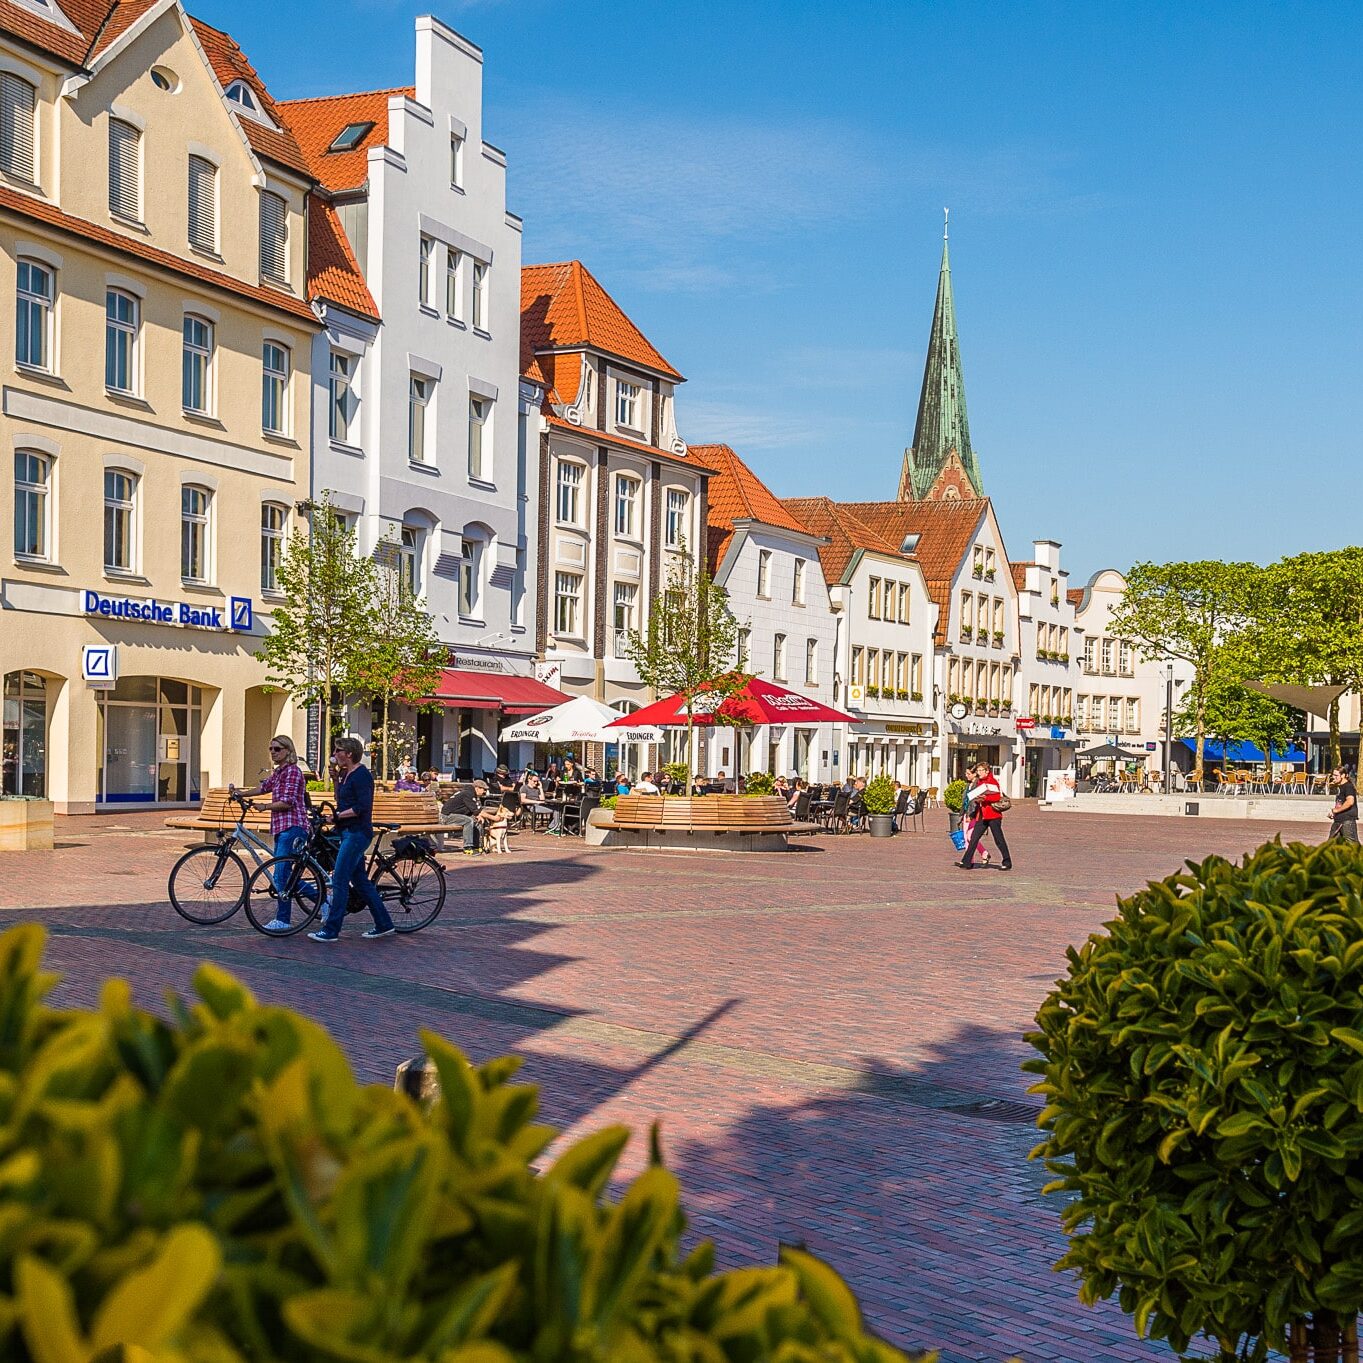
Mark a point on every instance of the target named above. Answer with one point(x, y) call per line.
point(1168, 726)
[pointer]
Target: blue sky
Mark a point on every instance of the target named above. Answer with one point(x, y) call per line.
point(1155, 235)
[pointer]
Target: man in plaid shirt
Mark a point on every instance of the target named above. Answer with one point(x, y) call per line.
point(288, 807)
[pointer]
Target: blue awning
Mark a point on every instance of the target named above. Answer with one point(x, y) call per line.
point(1242, 751)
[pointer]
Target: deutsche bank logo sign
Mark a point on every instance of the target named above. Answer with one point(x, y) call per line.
point(238, 617)
point(99, 664)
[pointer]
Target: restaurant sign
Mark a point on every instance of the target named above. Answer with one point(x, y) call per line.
point(478, 664)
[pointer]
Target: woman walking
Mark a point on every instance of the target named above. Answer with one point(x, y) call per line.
point(288, 807)
point(984, 799)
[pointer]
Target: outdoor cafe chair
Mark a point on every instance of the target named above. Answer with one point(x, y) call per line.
point(837, 815)
point(1320, 784)
point(914, 811)
point(1297, 783)
point(932, 797)
point(575, 814)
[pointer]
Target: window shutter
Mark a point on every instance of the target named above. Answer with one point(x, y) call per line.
point(17, 101)
point(125, 197)
point(203, 204)
point(274, 253)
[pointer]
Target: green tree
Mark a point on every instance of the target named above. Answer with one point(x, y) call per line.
point(323, 627)
point(1307, 625)
point(1234, 714)
point(1186, 611)
point(403, 658)
point(689, 643)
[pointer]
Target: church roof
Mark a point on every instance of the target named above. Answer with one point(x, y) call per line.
point(942, 425)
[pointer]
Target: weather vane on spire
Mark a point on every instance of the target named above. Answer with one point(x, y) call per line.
point(946, 222)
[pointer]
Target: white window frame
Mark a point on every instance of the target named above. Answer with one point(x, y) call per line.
point(456, 161)
point(480, 416)
point(454, 302)
point(811, 662)
point(272, 538)
point(197, 362)
point(29, 488)
point(567, 604)
point(470, 576)
point(626, 505)
point(624, 614)
point(678, 512)
point(744, 643)
point(125, 171)
point(764, 574)
point(478, 313)
point(419, 392)
point(130, 333)
point(343, 405)
point(411, 547)
point(778, 657)
point(196, 527)
point(626, 403)
point(797, 583)
point(424, 271)
point(33, 304)
point(568, 484)
point(274, 387)
point(125, 508)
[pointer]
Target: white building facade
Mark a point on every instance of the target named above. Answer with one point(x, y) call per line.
point(418, 431)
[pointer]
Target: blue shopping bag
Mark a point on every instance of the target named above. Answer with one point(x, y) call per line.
point(958, 839)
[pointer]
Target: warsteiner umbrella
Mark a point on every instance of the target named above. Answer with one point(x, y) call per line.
point(758, 702)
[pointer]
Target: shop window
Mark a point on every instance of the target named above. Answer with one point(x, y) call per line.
point(23, 741)
point(149, 735)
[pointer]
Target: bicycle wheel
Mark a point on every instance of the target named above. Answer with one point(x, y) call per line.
point(207, 885)
point(304, 887)
point(413, 892)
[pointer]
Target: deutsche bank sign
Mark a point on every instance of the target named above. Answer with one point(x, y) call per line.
point(237, 616)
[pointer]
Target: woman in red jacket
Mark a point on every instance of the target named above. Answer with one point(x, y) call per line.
point(985, 795)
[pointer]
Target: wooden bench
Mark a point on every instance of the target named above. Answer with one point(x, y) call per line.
point(752, 822)
point(412, 813)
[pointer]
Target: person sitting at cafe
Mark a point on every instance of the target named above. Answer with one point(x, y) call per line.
point(461, 810)
point(622, 783)
point(645, 786)
point(590, 779)
point(430, 782)
point(571, 775)
point(796, 789)
point(407, 781)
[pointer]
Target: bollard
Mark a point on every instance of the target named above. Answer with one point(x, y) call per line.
point(417, 1078)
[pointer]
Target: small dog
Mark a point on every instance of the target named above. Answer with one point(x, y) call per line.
point(494, 831)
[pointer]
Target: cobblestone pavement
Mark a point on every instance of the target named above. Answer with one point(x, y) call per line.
point(830, 1037)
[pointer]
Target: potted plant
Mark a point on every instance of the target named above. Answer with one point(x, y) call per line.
point(873, 693)
point(953, 797)
point(988, 574)
point(902, 695)
point(916, 695)
point(759, 783)
point(679, 775)
point(998, 638)
point(878, 800)
point(1199, 1062)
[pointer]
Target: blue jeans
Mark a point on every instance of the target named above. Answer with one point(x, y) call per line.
point(291, 840)
point(349, 873)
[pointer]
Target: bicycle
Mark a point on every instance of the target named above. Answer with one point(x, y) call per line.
point(204, 876)
point(409, 879)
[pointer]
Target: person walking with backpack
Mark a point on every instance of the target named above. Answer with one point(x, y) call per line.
point(986, 800)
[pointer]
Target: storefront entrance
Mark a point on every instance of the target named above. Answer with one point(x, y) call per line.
point(149, 735)
point(24, 743)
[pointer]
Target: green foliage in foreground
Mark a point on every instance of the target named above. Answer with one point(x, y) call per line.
point(1203, 1074)
point(219, 1188)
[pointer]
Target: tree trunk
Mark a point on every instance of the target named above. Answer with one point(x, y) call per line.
point(386, 744)
point(1323, 1338)
point(1200, 754)
point(1334, 733)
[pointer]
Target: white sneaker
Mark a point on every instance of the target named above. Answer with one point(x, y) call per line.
point(373, 934)
point(277, 925)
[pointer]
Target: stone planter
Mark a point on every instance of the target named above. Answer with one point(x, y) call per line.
point(25, 825)
point(954, 820)
point(882, 825)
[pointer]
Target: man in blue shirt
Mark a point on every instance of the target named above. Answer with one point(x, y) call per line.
point(355, 823)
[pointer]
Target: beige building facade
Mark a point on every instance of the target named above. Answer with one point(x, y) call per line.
point(155, 411)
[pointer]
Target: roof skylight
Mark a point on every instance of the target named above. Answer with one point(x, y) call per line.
point(350, 136)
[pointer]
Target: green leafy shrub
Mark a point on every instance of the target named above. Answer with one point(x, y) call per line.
point(608, 801)
point(954, 796)
point(217, 1188)
point(759, 783)
point(678, 773)
point(1203, 1074)
point(879, 796)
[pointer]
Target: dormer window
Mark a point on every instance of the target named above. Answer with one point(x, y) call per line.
point(626, 403)
point(241, 93)
point(350, 136)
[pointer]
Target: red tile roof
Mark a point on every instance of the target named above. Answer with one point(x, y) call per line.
point(123, 15)
point(736, 493)
point(845, 533)
point(946, 532)
point(27, 206)
point(595, 437)
point(334, 275)
point(1074, 595)
point(563, 307)
point(229, 63)
point(317, 122)
point(1020, 574)
point(56, 39)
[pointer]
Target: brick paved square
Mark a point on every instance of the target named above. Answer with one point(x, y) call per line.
point(829, 1037)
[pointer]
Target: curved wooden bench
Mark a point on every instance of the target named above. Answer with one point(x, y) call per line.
point(763, 821)
point(413, 813)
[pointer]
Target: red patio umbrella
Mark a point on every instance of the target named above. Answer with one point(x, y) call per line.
point(758, 702)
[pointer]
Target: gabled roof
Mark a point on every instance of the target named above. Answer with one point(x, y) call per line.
point(317, 122)
point(334, 275)
point(1075, 595)
point(563, 307)
point(736, 493)
point(121, 17)
point(56, 39)
point(1020, 574)
point(229, 64)
point(844, 531)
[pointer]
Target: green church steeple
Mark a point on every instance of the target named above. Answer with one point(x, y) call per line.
point(942, 429)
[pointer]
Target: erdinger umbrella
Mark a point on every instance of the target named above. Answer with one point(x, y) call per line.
point(759, 702)
point(580, 720)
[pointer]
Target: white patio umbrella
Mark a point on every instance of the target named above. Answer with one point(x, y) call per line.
point(580, 720)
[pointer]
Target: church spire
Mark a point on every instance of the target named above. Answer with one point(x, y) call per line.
point(941, 452)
